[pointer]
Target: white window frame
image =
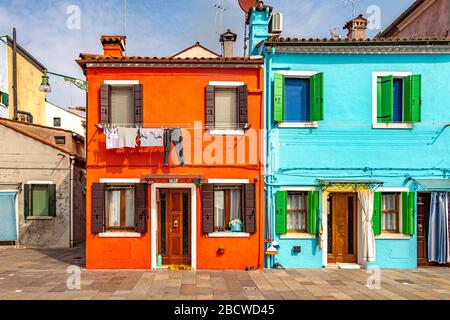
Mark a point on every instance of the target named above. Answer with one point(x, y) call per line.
point(40, 183)
point(388, 235)
point(299, 75)
point(298, 235)
point(375, 124)
point(118, 234)
point(226, 132)
point(121, 82)
point(229, 234)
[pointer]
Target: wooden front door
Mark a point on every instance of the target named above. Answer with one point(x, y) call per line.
point(342, 228)
point(175, 226)
point(423, 211)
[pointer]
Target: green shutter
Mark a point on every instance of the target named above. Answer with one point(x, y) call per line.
point(408, 213)
point(313, 211)
point(376, 218)
point(52, 200)
point(278, 98)
point(316, 97)
point(5, 99)
point(281, 212)
point(26, 200)
point(412, 98)
point(385, 99)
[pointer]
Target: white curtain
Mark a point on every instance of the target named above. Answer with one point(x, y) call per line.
point(366, 200)
point(114, 208)
point(296, 220)
point(235, 204)
point(130, 208)
point(219, 208)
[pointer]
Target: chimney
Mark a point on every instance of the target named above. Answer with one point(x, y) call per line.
point(113, 46)
point(258, 21)
point(356, 28)
point(228, 39)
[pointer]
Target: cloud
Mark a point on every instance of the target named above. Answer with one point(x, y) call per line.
point(154, 28)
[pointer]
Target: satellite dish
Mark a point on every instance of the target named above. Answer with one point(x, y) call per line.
point(246, 5)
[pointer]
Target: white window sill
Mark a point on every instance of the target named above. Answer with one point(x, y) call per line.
point(294, 235)
point(40, 218)
point(226, 132)
point(119, 235)
point(312, 124)
point(392, 236)
point(229, 235)
point(392, 125)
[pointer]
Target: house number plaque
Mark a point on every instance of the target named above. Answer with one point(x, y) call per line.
point(173, 180)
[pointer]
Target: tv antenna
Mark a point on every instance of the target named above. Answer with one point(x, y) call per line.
point(220, 10)
point(353, 4)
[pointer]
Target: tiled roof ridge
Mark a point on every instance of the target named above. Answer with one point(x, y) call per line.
point(277, 39)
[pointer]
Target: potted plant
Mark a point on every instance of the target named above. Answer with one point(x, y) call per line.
point(236, 225)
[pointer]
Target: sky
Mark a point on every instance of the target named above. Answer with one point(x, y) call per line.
point(51, 31)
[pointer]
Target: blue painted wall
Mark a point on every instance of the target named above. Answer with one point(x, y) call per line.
point(346, 146)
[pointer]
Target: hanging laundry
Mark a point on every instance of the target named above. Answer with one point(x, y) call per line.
point(112, 138)
point(151, 137)
point(127, 137)
point(174, 136)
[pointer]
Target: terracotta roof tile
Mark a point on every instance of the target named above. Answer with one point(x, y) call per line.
point(381, 41)
point(93, 58)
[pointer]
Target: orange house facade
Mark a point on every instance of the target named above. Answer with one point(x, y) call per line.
point(174, 165)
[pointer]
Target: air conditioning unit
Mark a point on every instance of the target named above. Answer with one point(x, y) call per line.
point(276, 23)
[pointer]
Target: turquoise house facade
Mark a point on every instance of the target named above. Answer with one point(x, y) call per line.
point(352, 128)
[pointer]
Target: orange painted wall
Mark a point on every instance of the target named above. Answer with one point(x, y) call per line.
point(173, 97)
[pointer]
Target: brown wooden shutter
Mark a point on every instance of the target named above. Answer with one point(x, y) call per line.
point(105, 100)
point(138, 104)
point(98, 207)
point(250, 208)
point(242, 94)
point(208, 208)
point(210, 107)
point(140, 207)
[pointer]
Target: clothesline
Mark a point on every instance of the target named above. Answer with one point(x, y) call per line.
point(239, 126)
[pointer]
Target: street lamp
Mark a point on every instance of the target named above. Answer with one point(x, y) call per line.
point(45, 84)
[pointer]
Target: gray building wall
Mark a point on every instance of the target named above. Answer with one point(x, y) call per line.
point(23, 159)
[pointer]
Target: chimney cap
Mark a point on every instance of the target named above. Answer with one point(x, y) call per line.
point(228, 36)
point(114, 40)
point(361, 23)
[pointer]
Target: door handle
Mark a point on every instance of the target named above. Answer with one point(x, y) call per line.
point(175, 224)
point(419, 227)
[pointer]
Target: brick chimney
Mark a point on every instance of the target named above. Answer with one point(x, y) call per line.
point(356, 28)
point(113, 46)
point(228, 39)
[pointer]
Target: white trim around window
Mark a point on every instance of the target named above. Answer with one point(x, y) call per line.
point(119, 235)
point(229, 235)
point(229, 181)
point(399, 235)
point(308, 124)
point(298, 189)
point(108, 180)
point(40, 182)
point(121, 82)
point(297, 235)
point(226, 83)
point(375, 123)
point(301, 75)
point(226, 132)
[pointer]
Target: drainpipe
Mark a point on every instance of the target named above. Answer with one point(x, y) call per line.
point(14, 57)
point(72, 162)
